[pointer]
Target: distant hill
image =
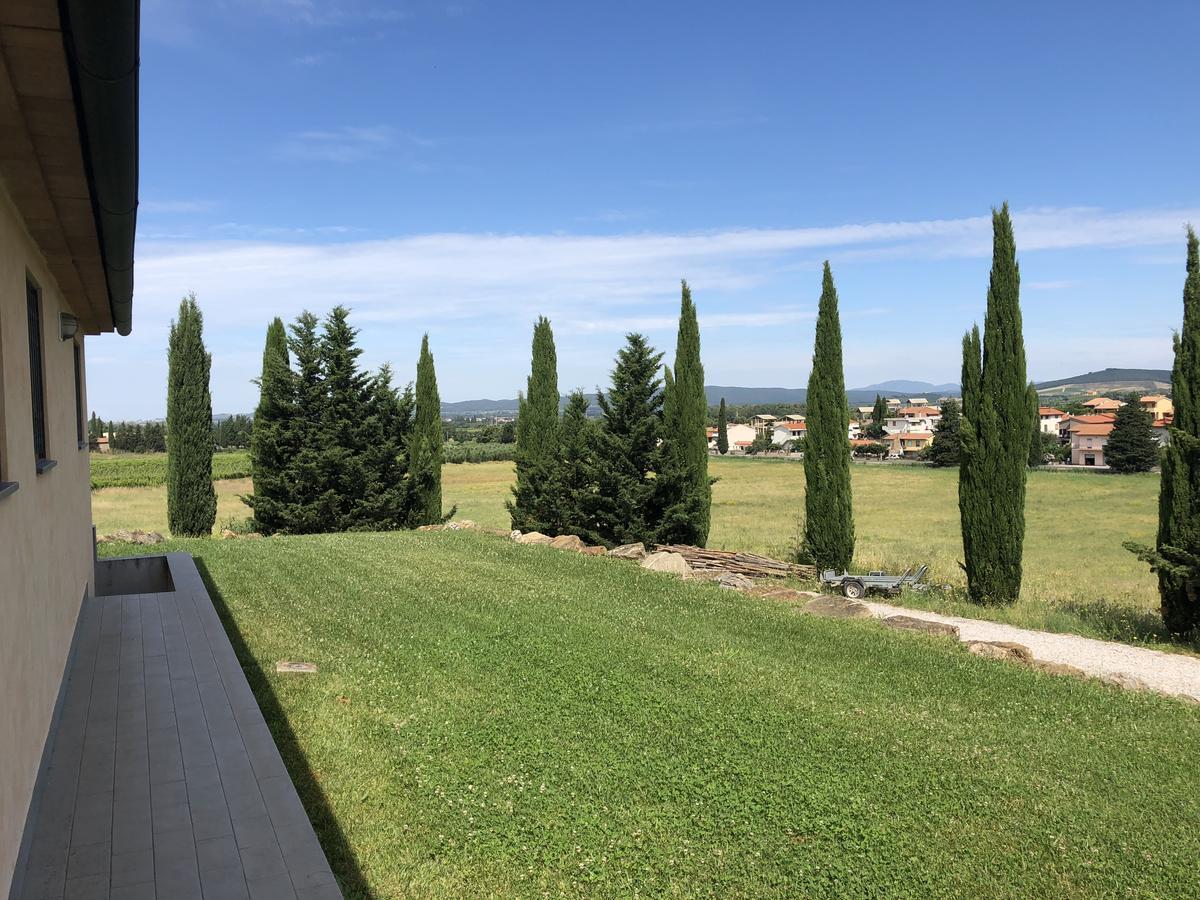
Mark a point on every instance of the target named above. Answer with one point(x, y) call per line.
point(1108, 381)
point(911, 389)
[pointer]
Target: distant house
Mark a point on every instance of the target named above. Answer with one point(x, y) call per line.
point(794, 417)
point(913, 418)
point(918, 401)
point(1050, 419)
point(102, 445)
point(1103, 404)
point(1068, 424)
point(740, 437)
point(864, 412)
point(1158, 406)
point(1162, 429)
point(1087, 444)
point(788, 431)
point(763, 423)
point(907, 444)
point(893, 403)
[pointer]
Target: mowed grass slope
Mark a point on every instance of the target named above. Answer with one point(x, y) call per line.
point(1078, 577)
point(492, 719)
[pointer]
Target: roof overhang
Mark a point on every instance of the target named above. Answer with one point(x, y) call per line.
point(69, 144)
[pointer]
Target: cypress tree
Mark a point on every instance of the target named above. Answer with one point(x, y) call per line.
point(1131, 446)
point(879, 412)
point(383, 504)
point(191, 500)
point(685, 492)
point(425, 447)
point(626, 445)
point(1176, 555)
point(828, 510)
point(537, 437)
point(722, 429)
point(271, 440)
point(311, 504)
point(947, 436)
point(344, 425)
point(996, 431)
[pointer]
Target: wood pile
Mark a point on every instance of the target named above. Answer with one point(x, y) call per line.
point(749, 564)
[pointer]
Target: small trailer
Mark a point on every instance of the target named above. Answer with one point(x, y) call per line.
point(856, 587)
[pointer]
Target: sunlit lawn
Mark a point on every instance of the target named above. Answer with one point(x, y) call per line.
point(1078, 577)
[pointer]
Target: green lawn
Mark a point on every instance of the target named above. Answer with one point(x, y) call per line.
point(492, 719)
point(150, 469)
point(1078, 577)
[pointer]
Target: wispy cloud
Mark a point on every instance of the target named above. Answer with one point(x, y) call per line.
point(1061, 284)
point(348, 144)
point(310, 59)
point(324, 13)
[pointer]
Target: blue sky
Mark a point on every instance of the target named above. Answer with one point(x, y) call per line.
point(460, 167)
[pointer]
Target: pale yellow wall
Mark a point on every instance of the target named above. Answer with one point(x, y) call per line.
point(45, 531)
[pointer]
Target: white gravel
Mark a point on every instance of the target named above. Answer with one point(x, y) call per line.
point(1174, 674)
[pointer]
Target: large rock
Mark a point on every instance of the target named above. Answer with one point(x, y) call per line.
point(1055, 668)
point(732, 581)
point(594, 551)
point(568, 542)
point(131, 537)
point(1008, 650)
point(1126, 681)
point(629, 551)
point(837, 607)
point(671, 563)
point(459, 524)
point(925, 626)
point(534, 537)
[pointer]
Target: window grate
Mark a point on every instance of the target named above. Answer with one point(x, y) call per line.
point(37, 375)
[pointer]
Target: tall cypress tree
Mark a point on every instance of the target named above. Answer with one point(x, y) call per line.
point(722, 429)
point(271, 441)
point(879, 411)
point(626, 445)
point(191, 500)
point(1037, 447)
point(345, 424)
point(537, 437)
point(425, 447)
point(828, 509)
point(574, 478)
point(996, 430)
point(685, 492)
point(1176, 555)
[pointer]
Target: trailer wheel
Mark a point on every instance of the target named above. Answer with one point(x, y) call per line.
point(853, 590)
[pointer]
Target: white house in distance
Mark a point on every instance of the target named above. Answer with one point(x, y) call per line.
point(1087, 444)
point(913, 418)
point(762, 423)
point(788, 431)
point(740, 437)
point(1050, 419)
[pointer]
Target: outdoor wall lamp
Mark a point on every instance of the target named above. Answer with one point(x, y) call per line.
point(67, 326)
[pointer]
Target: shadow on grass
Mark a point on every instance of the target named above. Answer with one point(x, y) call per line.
point(338, 850)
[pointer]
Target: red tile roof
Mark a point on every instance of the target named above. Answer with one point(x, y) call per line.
point(1094, 430)
point(1050, 411)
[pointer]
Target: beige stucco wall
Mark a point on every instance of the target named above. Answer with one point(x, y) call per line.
point(45, 531)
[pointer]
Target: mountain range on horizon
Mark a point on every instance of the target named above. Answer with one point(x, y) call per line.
point(1110, 379)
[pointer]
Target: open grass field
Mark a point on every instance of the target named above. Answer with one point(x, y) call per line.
point(150, 469)
point(1078, 578)
point(492, 719)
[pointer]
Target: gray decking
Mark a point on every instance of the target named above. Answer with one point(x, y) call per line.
point(163, 779)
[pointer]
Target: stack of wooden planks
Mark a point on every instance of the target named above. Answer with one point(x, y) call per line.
point(749, 564)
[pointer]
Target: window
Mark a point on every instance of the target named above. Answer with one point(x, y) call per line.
point(79, 426)
point(37, 372)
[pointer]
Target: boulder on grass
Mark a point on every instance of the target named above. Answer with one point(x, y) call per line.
point(1009, 650)
point(593, 551)
point(568, 542)
point(629, 551)
point(534, 537)
point(1054, 668)
point(671, 563)
point(925, 626)
point(732, 581)
point(837, 607)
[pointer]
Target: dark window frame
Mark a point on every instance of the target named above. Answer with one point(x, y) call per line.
point(37, 375)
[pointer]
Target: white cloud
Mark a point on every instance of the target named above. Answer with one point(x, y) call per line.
point(173, 207)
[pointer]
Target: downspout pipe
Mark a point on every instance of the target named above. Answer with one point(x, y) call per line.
point(101, 38)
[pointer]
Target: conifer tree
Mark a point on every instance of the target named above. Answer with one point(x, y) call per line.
point(996, 431)
point(311, 503)
point(271, 440)
point(191, 500)
point(1176, 555)
point(537, 437)
point(681, 482)
point(879, 411)
point(828, 510)
point(344, 424)
point(947, 436)
point(722, 429)
point(626, 445)
point(1131, 446)
point(425, 447)
point(383, 504)
point(1037, 442)
point(574, 479)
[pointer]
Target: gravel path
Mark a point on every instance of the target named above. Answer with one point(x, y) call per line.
point(1167, 673)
